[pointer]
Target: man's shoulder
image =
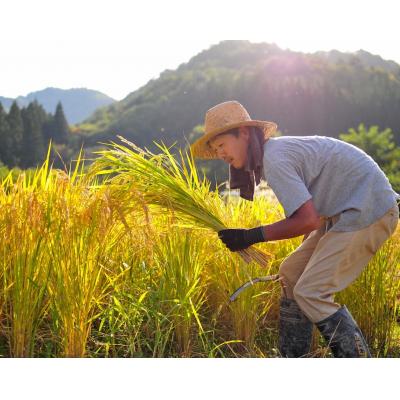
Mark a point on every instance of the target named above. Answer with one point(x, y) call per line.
point(296, 149)
point(282, 143)
point(283, 140)
point(275, 147)
point(271, 149)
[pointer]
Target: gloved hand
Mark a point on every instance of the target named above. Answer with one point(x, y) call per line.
point(240, 239)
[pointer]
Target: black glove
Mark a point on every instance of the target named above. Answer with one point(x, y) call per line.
point(240, 239)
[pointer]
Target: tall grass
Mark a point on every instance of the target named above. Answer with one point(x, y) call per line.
point(181, 286)
point(102, 268)
point(82, 275)
point(25, 269)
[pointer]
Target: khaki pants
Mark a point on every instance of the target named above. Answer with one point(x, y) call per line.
point(327, 262)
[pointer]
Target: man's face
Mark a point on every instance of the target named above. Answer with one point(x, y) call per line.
point(232, 149)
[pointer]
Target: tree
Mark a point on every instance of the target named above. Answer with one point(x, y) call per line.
point(4, 136)
point(15, 139)
point(380, 145)
point(33, 144)
point(60, 128)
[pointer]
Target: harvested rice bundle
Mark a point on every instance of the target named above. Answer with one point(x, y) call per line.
point(164, 182)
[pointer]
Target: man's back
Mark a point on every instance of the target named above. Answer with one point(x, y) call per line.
point(339, 177)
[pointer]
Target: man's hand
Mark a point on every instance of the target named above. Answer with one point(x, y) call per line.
point(240, 239)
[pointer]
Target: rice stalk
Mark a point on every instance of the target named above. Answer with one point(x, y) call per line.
point(168, 184)
point(80, 251)
point(181, 290)
point(25, 270)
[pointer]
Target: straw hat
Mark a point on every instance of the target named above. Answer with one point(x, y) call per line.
point(222, 118)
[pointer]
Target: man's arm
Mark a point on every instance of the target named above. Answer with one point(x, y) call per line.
point(302, 222)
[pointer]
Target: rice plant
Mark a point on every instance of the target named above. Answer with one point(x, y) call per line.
point(181, 287)
point(25, 268)
point(164, 182)
point(80, 250)
point(130, 266)
point(24, 228)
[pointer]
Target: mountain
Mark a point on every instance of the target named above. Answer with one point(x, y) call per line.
point(78, 104)
point(361, 57)
point(306, 94)
point(6, 102)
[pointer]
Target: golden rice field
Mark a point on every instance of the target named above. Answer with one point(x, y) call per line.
point(123, 260)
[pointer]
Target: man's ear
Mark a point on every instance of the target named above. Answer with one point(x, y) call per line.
point(244, 131)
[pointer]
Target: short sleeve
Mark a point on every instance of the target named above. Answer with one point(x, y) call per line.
point(288, 186)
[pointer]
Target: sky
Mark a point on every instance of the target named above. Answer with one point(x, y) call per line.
point(118, 46)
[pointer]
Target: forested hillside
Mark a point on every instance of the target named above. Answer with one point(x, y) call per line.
point(322, 93)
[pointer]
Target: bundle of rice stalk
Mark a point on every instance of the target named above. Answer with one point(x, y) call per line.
point(164, 182)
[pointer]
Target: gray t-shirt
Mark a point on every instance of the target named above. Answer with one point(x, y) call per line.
point(339, 177)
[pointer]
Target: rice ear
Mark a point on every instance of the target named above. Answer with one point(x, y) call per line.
point(166, 183)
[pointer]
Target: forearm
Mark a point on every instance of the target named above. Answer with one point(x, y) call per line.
point(302, 222)
point(289, 228)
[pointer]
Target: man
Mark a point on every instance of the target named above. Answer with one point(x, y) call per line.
point(332, 193)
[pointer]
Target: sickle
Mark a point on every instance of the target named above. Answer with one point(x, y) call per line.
point(251, 282)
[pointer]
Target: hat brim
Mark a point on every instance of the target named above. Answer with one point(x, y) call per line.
point(201, 147)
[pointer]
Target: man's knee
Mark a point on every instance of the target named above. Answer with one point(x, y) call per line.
point(315, 303)
point(292, 268)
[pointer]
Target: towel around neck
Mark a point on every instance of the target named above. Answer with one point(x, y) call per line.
point(245, 179)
